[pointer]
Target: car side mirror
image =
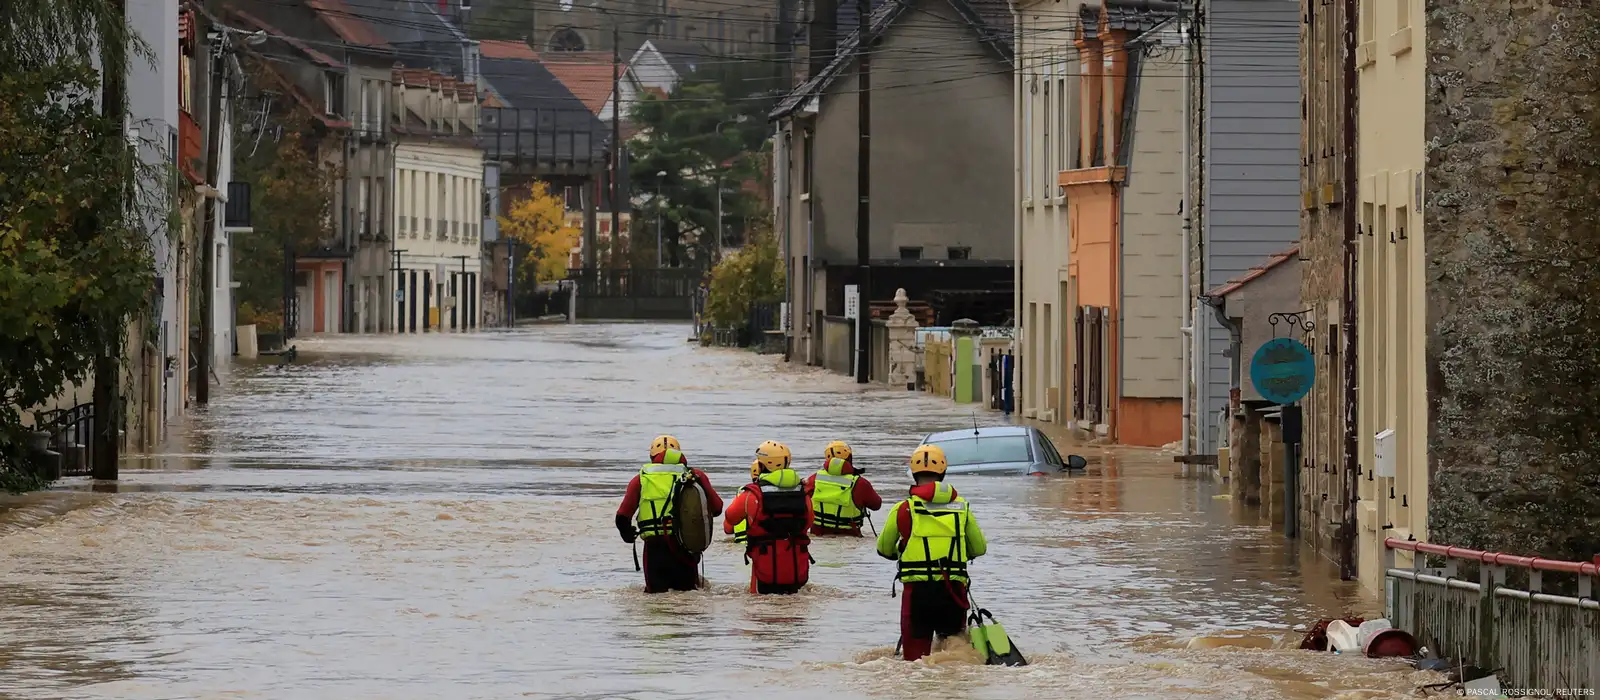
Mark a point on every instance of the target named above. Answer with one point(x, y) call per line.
point(1076, 462)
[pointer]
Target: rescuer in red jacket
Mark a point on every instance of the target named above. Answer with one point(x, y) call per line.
point(776, 513)
point(841, 501)
point(667, 566)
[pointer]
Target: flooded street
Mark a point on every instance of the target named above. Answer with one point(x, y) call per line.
point(431, 517)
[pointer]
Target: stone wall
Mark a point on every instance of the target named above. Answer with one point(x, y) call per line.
point(1513, 221)
point(1322, 248)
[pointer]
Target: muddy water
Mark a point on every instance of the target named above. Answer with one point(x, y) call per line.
point(431, 517)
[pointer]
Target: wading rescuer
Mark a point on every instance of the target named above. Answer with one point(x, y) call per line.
point(776, 513)
point(741, 529)
point(840, 495)
point(933, 535)
point(667, 566)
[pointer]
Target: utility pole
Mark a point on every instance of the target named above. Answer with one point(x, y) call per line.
point(208, 243)
point(616, 137)
point(864, 188)
point(1351, 197)
point(107, 367)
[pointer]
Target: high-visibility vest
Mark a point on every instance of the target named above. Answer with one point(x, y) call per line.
point(937, 547)
point(833, 498)
point(658, 485)
point(740, 531)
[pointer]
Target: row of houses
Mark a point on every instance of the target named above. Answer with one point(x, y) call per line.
point(1162, 187)
point(428, 132)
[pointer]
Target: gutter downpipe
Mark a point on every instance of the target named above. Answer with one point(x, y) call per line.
point(784, 146)
point(1020, 339)
point(1187, 330)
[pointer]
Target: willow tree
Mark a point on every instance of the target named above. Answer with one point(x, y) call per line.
point(75, 210)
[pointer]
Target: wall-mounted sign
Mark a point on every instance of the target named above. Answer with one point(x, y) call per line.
point(1282, 370)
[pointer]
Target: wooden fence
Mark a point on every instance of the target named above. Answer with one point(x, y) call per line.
point(937, 367)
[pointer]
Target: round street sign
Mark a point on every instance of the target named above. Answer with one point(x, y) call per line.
point(1282, 370)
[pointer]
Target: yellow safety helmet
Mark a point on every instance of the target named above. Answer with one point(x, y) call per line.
point(838, 449)
point(929, 459)
point(662, 443)
point(772, 456)
point(755, 469)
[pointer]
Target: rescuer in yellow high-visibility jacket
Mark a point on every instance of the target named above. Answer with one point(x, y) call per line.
point(933, 535)
point(646, 513)
point(840, 495)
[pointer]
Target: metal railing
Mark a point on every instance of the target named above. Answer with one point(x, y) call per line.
point(1531, 638)
point(72, 437)
point(667, 282)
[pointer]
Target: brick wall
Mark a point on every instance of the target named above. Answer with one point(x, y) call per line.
point(1513, 275)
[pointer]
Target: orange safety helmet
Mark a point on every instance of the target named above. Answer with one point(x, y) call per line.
point(838, 449)
point(661, 444)
point(928, 459)
point(772, 456)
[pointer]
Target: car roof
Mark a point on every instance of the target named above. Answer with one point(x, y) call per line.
point(988, 431)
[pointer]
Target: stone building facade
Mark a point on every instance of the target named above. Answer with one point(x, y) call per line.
point(1323, 481)
point(1512, 210)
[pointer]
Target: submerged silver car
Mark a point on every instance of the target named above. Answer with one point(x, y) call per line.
point(1003, 449)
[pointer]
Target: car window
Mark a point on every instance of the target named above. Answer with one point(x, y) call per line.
point(985, 450)
point(1050, 453)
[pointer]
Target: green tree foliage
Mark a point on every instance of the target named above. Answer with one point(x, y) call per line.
point(713, 125)
point(292, 201)
point(75, 257)
point(510, 20)
point(751, 275)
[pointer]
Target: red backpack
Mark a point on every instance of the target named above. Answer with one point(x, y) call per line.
point(778, 548)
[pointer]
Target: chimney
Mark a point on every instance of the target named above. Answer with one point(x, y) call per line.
point(823, 35)
point(463, 14)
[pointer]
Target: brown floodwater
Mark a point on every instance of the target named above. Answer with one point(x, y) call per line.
point(431, 517)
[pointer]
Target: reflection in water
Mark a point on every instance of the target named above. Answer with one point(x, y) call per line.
point(430, 517)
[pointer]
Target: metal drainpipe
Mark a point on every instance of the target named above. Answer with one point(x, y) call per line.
point(1187, 329)
point(1017, 140)
point(785, 144)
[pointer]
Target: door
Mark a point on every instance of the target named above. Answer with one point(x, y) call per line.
point(305, 300)
point(330, 301)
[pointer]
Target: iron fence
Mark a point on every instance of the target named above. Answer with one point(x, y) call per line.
point(666, 282)
point(1533, 639)
point(72, 435)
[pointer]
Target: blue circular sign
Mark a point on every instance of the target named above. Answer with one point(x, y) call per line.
point(1282, 370)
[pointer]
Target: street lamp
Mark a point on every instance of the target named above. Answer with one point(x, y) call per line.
point(660, 180)
point(718, 130)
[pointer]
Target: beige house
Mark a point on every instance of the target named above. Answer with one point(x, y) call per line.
point(1392, 387)
point(941, 216)
point(1100, 181)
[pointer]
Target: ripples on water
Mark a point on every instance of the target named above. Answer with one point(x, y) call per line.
point(431, 518)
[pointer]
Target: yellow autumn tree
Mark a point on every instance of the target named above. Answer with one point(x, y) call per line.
point(537, 221)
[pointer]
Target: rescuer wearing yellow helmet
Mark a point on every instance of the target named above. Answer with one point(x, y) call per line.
point(840, 495)
point(667, 566)
point(933, 535)
point(740, 529)
point(775, 512)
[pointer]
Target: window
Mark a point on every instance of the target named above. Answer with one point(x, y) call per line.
point(1047, 155)
point(959, 253)
point(986, 450)
point(910, 252)
point(566, 39)
point(1369, 21)
point(1063, 124)
point(1402, 14)
point(333, 93)
point(1028, 86)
